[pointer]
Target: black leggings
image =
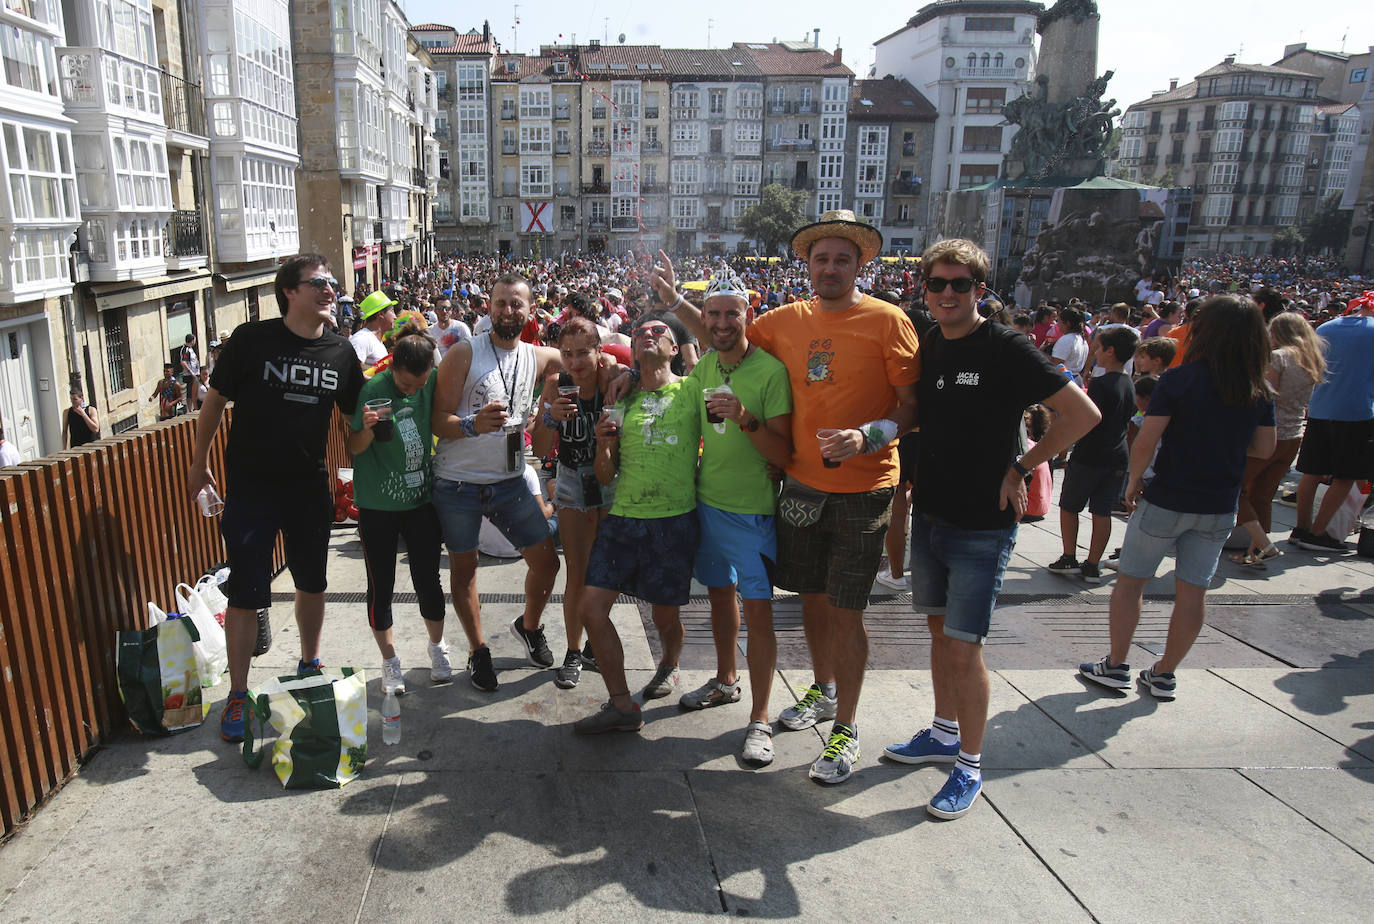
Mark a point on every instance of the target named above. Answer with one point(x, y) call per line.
point(379, 530)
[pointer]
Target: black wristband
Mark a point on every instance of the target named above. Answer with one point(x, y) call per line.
point(1020, 469)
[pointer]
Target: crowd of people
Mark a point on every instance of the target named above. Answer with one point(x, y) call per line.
point(756, 424)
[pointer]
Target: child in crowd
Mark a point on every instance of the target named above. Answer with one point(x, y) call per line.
point(1154, 355)
point(1042, 478)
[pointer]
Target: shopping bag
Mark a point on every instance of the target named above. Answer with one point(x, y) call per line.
point(321, 726)
point(159, 680)
point(207, 588)
point(212, 650)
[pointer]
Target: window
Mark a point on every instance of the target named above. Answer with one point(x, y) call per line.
point(1230, 141)
point(41, 176)
point(982, 138)
point(985, 100)
point(989, 24)
point(1288, 209)
point(536, 180)
point(536, 139)
point(832, 128)
point(1234, 111)
point(716, 100)
point(747, 174)
point(976, 174)
point(1217, 211)
point(1223, 175)
point(1292, 174)
point(1130, 147)
point(536, 102)
point(118, 365)
point(686, 177)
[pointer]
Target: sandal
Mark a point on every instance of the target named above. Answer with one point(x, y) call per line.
point(1257, 560)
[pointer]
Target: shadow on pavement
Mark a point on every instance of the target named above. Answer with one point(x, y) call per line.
point(1314, 693)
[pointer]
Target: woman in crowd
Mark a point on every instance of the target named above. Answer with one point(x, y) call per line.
point(1071, 348)
point(582, 501)
point(1205, 416)
point(391, 483)
point(1295, 367)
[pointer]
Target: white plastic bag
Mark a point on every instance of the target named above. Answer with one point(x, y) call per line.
point(1345, 520)
point(207, 588)
point(212, 651)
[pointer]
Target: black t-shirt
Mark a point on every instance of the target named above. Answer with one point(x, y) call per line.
point(1104, 445)
point(576, 442)
point(283, 387)
point(1201, 458)
point(972, 394)
point(81, 432)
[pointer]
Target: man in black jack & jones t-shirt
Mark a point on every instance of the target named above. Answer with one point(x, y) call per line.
point(284, 375)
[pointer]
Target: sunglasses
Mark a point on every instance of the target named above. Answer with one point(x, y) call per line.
point(654, 331)
point(321, 283)
point(961, 285)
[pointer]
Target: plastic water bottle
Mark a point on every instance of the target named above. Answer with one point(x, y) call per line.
point(391, 719)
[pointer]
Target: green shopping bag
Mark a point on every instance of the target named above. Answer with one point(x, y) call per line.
point(321, 726)
point(159, 681)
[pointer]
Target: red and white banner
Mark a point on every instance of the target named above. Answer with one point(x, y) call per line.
point(537, 218)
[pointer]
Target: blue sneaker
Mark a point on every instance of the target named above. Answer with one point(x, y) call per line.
point(231, 719)
point(1115, 676)
point(1160, 685)
point(956, 797)
point(303, 668)
point(923, 749)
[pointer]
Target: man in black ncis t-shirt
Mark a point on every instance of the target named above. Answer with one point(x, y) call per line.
point(285, 376)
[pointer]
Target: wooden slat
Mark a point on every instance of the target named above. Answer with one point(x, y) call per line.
point(18, 781)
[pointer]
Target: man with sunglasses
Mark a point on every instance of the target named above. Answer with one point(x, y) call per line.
point(285, 376)
point(977, 379)
point(852, 365)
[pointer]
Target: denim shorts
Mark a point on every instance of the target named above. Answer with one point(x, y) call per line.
point(1196, 539)
point(957, 573)
point(737, 548)
point(567, 489)
point(649, 559)
point(508, 504)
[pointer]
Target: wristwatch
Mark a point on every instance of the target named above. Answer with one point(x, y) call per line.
point(752, 426)
point(1020, 469)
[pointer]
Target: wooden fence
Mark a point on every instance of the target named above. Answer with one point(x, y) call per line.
point(87, 538)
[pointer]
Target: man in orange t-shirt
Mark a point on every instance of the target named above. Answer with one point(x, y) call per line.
point(853, 365)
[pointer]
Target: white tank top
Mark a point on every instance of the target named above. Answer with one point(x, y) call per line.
point(494, 373)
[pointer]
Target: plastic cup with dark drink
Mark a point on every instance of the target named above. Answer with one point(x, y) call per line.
point(567, 388)
point(822, 436)
point(385, 427)
point(706, 393)
point(616, 415)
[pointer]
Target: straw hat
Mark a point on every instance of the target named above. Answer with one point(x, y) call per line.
point(839, 223)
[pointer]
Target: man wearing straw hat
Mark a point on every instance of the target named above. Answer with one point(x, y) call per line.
point(852, 363)
point(378, 312)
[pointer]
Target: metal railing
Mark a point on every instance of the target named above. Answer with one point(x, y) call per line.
point(598, 224)
point(92, 535)
point(184, 235)
point(183, 105)
point(378, 229)
point(599, 148)
point(417, 176)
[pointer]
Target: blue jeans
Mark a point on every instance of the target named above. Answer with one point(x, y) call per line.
point(957, 573)
point(1196, 539)
point(508, 504)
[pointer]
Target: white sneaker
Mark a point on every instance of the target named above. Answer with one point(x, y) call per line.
point(440, 668)
point(758, 745)
point(888, 579)
point(813, 707)
point(392, 679)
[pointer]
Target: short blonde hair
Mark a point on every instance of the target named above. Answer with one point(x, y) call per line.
point(956, 252)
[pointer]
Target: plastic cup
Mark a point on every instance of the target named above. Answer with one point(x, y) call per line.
point(385, 428)
point(822, 436)
point(616, 415)
point(209, 501)
point(707, 392)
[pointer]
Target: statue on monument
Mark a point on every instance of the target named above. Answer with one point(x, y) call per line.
point(1059, 138)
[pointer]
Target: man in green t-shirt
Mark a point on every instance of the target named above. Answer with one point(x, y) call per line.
point(746, 426)
point(642, 547)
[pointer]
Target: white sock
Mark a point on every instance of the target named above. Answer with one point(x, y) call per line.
point(972, 764)
point(944, 731)
point(828, 689)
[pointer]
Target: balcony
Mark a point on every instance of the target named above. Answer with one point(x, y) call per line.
point(378, 230)
point(713, 116)
point(441, 132)
point(598, 112)
point(805, 108)
point(803, 183)
point(776, 108)
point(1207, 125)
point(651, 112)
point(183, 241)
point(791, 144)
point(562, 189)
point(509, 147)
point(713, 189)
point(444, 93)
point(686, 114)
point(651, 222)
point(507, 114)
point(418, 178)
point(996, 73)
point(1174, 159)
point(652, 188)
point(94, 79)
point(562, 147)
point(625, 223)
point(652, 147)
point(909, 149)
point(1179, 128)
point(362, 231)
point(510, 189)
point(183, 106)
point(1202, 157)
point(596, 189)
point(599, 148)
point(906, 187)
point(902, 223)
point(598, 224)
point(562, 113)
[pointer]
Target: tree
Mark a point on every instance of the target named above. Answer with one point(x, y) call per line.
point(777, 216)
point(1329, 226)
point(1287, 241)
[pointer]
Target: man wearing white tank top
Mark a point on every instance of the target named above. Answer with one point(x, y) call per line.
point(482, 403)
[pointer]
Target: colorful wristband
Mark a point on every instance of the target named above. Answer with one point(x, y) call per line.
point(468, 425)
point(878, 433)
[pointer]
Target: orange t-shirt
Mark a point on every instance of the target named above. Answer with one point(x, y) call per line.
point(1180, 333)
point(843, 367)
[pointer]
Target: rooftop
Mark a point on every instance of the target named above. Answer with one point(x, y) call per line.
point(710, 64)
point(792, 59)
point(889, 99)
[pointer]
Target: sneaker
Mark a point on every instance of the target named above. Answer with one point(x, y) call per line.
point(392, 679)
point(536, 648)
point(1109, 564)
point(231, 719)
point(440, 667)
point(302, 668)
point(1287, 498)
point(758, 745)
point(956, 797)
point(813, 707)
point(923, 749)
point(608, 719)
point(481, 673)
point(1064, 564)
point(664, 681)
point(837, 760)
point(571, 672)
point(1321, 542)
point(711, 693)
point(588, 657)
point(888, 579)
point(1298, 535)
point(264, 643)
point(1162, 686)
point(1116, 676)
point(1090, 572)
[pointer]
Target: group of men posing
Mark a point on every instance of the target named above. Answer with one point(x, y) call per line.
point(821, 389)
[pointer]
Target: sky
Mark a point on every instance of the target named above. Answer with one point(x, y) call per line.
point(1146, 44)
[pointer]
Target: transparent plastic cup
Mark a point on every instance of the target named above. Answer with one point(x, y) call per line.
point(822, 436)
point(209, 501)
